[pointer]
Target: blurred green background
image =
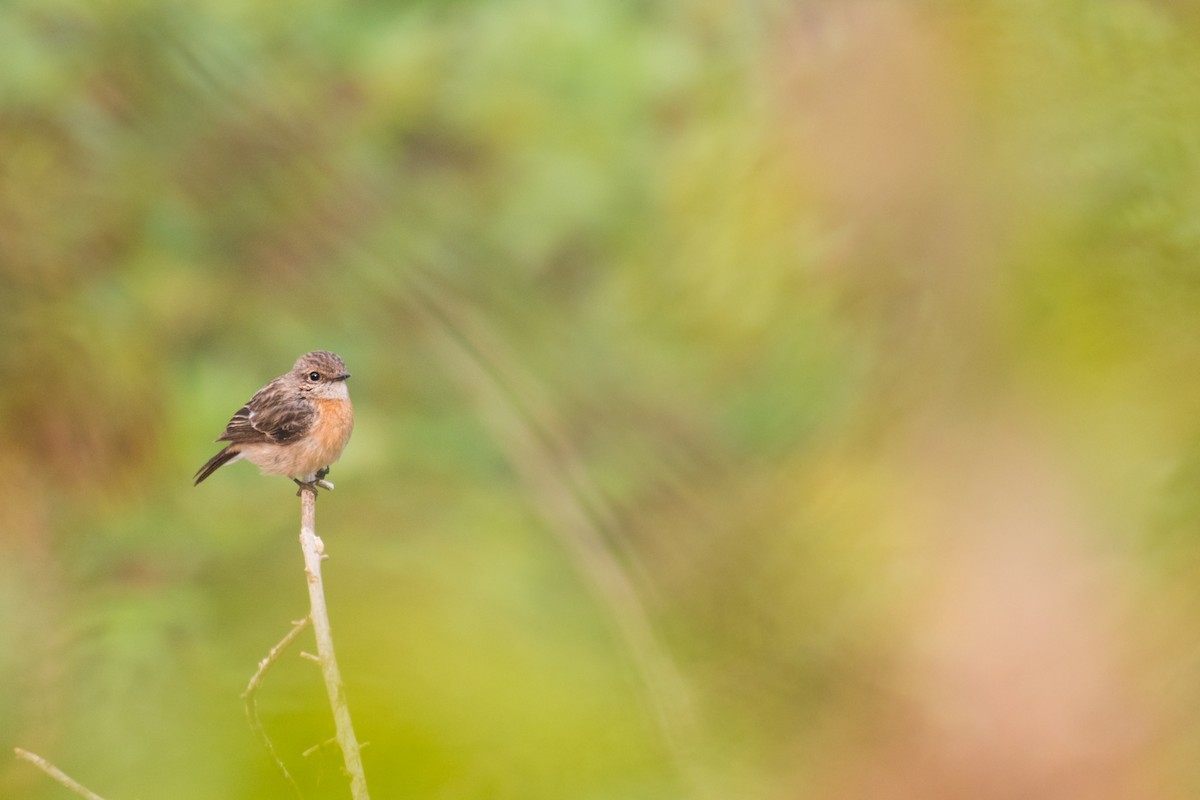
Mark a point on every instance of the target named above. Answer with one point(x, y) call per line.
point(754, 400)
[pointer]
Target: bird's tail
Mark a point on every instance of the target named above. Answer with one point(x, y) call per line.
point(219, 460)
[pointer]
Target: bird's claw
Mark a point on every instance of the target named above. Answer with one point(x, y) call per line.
point(317, 481)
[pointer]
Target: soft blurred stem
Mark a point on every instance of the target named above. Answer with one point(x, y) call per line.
point(524, 429)
point(314, 553)
point(56, 773)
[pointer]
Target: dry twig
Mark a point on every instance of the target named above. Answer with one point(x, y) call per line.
point(314, 553)
point(56, 773)
point(250, 696)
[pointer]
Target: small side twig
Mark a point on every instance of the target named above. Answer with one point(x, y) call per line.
point(56, 773)
point(250, 696)
point(318, 747)
point(314, 552)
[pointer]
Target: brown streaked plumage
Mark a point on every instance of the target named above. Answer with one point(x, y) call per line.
point(296, 425)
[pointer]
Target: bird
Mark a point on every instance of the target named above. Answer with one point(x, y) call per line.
point(296, 425)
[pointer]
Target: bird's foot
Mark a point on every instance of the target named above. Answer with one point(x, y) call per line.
point(320, 481)
point(317, 481)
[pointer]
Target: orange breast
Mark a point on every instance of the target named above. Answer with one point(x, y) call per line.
point(335, 423)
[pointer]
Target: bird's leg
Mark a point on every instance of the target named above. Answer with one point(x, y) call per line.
point(320, 481)
point(317, 481)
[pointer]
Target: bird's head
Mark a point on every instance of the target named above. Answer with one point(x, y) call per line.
point(322, 374)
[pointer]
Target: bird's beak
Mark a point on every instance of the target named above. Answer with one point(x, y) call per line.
point(341, 377)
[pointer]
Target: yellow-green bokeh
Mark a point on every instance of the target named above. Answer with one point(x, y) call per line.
point(751, 398)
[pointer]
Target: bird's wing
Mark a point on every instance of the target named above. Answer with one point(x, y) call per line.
point(272, 415)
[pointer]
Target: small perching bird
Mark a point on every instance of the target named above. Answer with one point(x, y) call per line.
point(296, 425)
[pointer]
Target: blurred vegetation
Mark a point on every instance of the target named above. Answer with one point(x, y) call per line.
point(754, 400)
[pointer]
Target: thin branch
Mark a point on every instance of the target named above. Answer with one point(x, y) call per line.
point(314, 552)
point(250, 696)
point(56, 773)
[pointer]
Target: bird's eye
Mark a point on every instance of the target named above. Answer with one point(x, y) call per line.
point(314, 376)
